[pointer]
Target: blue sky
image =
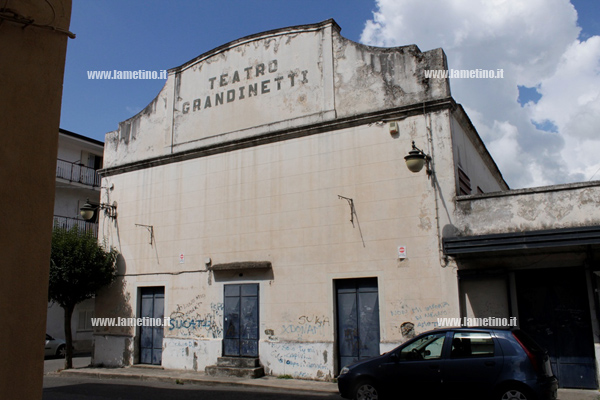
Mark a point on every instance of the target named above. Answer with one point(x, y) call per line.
point(535, 122)
point(156, 35)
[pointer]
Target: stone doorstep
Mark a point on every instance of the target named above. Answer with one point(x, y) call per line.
point(238, 367)
point(237, 362)
point(147, 366)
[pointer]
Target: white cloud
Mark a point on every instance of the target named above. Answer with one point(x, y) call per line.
point(536, 44)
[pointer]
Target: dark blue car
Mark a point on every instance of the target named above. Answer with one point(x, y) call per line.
point(455, 363)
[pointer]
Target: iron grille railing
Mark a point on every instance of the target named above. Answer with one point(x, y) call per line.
point(83, 226)
point(74, 172)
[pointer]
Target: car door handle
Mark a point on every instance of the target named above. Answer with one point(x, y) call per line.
point(489, 363)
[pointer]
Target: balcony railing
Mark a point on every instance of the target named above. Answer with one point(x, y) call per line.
point(83, 226)
point(74, 172)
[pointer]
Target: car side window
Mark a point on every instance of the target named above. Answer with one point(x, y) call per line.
point(472, 344)
point(426, 348)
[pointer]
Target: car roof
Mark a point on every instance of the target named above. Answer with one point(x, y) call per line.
point(472, 328)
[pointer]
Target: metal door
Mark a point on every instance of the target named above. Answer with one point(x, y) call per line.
point(553, 308)
point(357, 319)
point(240, 320)
point(151, 337)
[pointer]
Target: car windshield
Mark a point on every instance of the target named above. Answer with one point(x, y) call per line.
point(426, 348)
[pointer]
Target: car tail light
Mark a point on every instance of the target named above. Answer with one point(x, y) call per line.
point(534, 360)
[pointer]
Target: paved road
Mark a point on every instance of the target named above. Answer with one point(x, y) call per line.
point(73, 388)
point(80, 387)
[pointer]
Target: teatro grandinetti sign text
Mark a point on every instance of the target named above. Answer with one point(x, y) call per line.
point(242, 84)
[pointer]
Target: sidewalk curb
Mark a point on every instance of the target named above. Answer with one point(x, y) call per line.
point(183, 377)
point(187, 377)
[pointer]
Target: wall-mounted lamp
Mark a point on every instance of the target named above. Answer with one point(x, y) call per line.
point(88, 210)
point(416, 159)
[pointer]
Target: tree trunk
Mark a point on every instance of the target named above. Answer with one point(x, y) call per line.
point(69, 336)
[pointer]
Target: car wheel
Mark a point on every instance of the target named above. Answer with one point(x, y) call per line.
point(61, 352)
point(514, 393)
point(366, 390)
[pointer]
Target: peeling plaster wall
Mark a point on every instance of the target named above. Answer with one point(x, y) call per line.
point(146, 135)
point(273, 81)
point(552, 207)
point(370, 78)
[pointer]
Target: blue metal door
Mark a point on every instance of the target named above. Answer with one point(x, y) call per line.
point(554, 310)
point(151, 337)
point(357, 319)
point(240, 321)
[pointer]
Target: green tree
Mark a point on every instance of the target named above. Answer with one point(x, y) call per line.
point(79, 267)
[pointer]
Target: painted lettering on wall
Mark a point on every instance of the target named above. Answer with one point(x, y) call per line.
point(300, 360)
point(318, 325)
point(410, 320)
point(252, 81)
point(191, 319)
point(179, 348)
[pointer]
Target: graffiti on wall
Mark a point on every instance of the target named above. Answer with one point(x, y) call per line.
point(180, 348)
point(410, 319)
point(307, 325)
point(191, 319)
point(300, 360)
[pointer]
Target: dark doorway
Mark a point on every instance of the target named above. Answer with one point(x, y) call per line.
point(240, 321)
point(357, 319)
point(554, 309)
point(151, 337)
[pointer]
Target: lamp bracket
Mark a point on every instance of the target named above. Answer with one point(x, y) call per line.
point(351, 204)
point(150, 229)
point(109, 209)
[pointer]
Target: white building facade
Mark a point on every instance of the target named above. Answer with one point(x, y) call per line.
point(78, 160)
point(264, 206)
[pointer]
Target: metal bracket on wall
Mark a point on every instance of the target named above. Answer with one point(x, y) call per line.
point(150, 229)
point(351, 204)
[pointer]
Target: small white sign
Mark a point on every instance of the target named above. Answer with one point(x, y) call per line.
point(181, 258)
point(401, 251)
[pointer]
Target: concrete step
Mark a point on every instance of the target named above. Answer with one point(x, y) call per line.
point(253, 373)
point(238, 362)
point(238, 367)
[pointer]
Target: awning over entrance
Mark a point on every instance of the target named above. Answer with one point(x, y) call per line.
point(551, 238)
point(243, 265)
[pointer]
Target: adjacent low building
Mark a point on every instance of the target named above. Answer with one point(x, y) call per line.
point(264, 205)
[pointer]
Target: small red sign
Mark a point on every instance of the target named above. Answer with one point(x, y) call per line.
point(401, 251)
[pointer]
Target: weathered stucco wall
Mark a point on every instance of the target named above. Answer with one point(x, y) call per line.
point(371, 78)
point(552, 207)
point(210, 174)
point(270, 82)
point(280, 203)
